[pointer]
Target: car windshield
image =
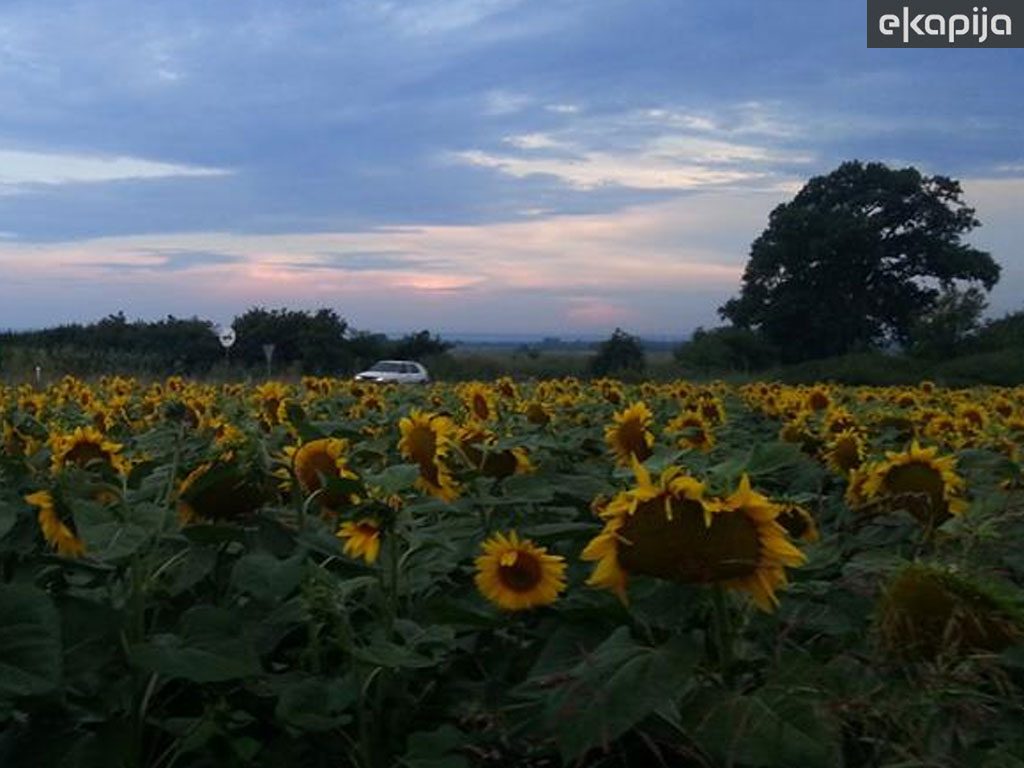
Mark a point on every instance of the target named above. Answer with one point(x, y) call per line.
point(386, 366)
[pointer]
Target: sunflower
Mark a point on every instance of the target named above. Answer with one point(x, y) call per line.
point(974, 416)
point(536, 413)
point(55, 530)
point(17, 443)
point(906, 400)
point(709, 407)
point(370, 401)
point(426, 440)
point(846, 452)
point(516, 575)
point(919, 481)
point(818, 398)
point(900, 423)
point(855, 481)
point(1005, 408)
point(362, 539)
point(797, 430)
point(837, 419)
point(313, 463)
point(629, 436)
point(694, 431)
point(506, 387)
point(798, 522)
point(477, 446)
point(225, 434)
point(480, 401)
point(612, 392)
point(222, 490)
point(670, 531)
point(271, 399)
point(86, 447)
point(926, 611)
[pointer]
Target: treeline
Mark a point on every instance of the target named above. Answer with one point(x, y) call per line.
point(316, 342)
point(956, 350)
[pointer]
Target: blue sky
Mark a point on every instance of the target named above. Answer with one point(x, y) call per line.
point(495, 166)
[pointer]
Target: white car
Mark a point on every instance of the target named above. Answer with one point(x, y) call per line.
point(399, 371)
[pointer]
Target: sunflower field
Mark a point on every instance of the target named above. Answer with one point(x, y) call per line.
point(564, 572)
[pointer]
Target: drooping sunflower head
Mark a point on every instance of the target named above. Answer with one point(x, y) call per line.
point(477, 445)
point(316, 463)
point(926, 611)
point(901, 425)
point(919, 481)
point(629, 435)
point(845, 452)
point(515, 574)
point(427, 439)
point(52, 524)
point(18, 443)
point(855, 496)
point(362, 538)
point(799, 431)
point(86, 448)
point(224, 490)
point(798, 523)
point(669, 530)
point(536, 413)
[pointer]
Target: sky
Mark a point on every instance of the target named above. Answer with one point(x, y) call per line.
point(557, 167)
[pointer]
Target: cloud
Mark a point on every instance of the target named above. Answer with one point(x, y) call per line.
point(21, 169)
point(165, 260)
point(440, 17)
point(596, 169)
point(664, 148)
point(371, 261)
point(500, 103)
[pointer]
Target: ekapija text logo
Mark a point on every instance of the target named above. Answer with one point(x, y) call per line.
point(942, 24)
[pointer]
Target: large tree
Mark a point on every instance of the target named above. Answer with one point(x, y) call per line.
point(855, 258)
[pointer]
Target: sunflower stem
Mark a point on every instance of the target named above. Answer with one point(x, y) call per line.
point(722, 621)
point(179, 437)
point(392, 542)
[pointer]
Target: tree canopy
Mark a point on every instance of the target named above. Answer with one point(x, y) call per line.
point(316, 342)
point(620, 353)
point(856, 258)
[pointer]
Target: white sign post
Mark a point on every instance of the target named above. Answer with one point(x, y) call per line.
point(226, 337)
point(268, 352)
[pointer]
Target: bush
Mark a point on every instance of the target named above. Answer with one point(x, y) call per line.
point(867, 368)
point(620, 353)
point(1003, 368)
point(726, 349)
